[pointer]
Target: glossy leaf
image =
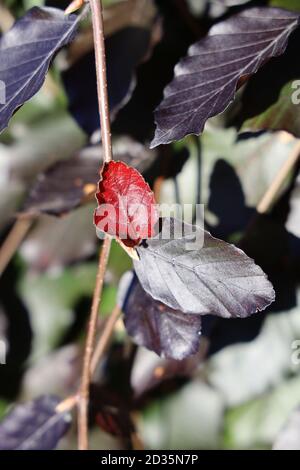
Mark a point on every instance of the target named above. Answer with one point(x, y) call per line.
point(34, 426)
point(152, 324)
point(216, 278)
point(127, 207)
point(26, 52)
point(206, 80)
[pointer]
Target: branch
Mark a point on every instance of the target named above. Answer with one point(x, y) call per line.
point(98, 32)
point(13, 241)
point(69, 403)
point(89, 345)
point(270, 195)
point(105, 337)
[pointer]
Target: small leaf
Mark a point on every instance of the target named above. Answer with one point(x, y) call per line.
point(217, 278)
point(206, 80)
point(127, 207)
point(34, 425)
point(26, 52)
point(170, 333)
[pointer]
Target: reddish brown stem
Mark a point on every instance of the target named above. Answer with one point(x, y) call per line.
point(105, 337)
point(88, 352)
point(98, 31)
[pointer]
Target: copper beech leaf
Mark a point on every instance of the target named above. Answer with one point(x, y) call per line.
point(206, 80)
point(65, 185)
point(188, 269)
point(170, 333)
point(35, 425)
point(127, 208)
point(26, 51)
point(71, 183)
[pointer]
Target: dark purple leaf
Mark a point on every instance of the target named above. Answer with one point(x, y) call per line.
point(65, 185)
point(124, 50)
point(26, 52)
point(206, 80)
point(69, 183)
point(34, 425)
point(170, 333)
point(216, 278)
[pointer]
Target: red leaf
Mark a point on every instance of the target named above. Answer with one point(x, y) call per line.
point(127, 208)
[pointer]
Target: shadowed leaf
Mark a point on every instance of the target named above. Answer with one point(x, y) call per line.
point(34, 426)
point(196, 273)
point(206, 80)
point(125, 50)
point(169, 333)
point(65, 185)
point(282, 115)
point(111, 412)
point(69, 183)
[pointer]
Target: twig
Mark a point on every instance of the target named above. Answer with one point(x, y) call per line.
point(86, 372)
point(13, 241)
point(67, 404)
point(70, 402)
point(270, 195)
point(98, 32)
point(105, 337)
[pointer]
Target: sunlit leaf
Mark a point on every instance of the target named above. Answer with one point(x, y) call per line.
point(189, 270)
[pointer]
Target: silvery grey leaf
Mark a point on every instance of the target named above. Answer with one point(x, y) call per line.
point(216, 278)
